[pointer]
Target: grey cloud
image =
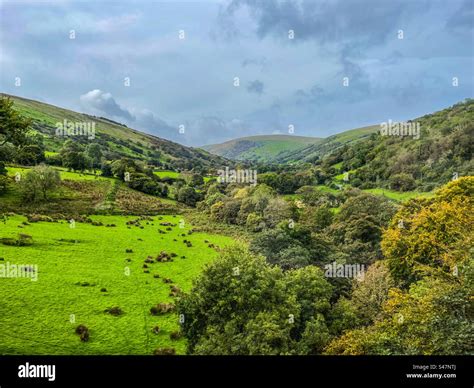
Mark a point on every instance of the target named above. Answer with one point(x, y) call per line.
point(147, 121)
point(101, 103)
point(462, 19)
point(262, 63)
point(255, 87)
point(326, 21)
point(212, 129)
point(97, 101)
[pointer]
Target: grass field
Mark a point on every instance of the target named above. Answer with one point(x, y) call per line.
point(75, 176)
point(399, 196)
point(40, 317)
point(176, 175)
point(167, 174)
point(86, 194)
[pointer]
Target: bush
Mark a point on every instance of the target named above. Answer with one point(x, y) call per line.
point(402, 182)
point(187, 195)
point(3, 183)
point(115, 311)
point(21, 241)
point(162, 308)
point(164, 352)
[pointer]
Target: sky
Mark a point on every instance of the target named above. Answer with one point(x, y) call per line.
point(205, 72)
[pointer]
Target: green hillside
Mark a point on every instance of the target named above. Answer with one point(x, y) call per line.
point(443, 151)
point(312, 152)
point(116, 139)
point(261, 148)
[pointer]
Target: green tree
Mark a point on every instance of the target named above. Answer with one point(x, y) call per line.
point(38, 182)
point(94, 152)
point(14, 128)
point(187, 195)
point(278, 312)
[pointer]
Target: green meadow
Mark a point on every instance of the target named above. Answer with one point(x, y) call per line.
point(84, 270)
point(399, 196)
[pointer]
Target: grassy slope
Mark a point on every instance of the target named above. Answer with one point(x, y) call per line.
point(35, 316)
point(114, 137)
point(265, 147)
point(327, 145)
point(399, 196)
point(444, 147)
point(86, 194)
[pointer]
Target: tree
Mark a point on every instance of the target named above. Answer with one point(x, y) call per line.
point(38, 182)
point(193, 179)
point(94, 152)
point(187, 195)
point(124, 165)
point(370, 292)
point(278, 313)
point(434, 317)
point(4, 180)
point(74, 157)
point(106, 169)
point(430, 236)
point(402, 182)
point(276, 211)
point(357, 228)
point(429, 253)
point(14, 128)
point(317, 218)
point(279, 248)
point(17, 142)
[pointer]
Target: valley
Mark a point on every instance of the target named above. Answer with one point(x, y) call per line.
point(163, 249)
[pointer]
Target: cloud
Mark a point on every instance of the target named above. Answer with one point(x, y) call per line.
point(99, 102)
point(213, 129)
point(255, 87)
point(190, 81)
point(146, 120)
point(324, 21)
point(462, 19)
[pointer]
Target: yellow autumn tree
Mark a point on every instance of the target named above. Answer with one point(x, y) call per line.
point(429, 236)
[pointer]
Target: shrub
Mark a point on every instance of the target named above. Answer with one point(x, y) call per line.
point(3, 183)
point(164, 352)
point(162, 308)
point(115, 311)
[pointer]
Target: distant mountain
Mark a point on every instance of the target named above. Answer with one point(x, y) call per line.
point(261, 148)
point(117, 140)
point(313, 152)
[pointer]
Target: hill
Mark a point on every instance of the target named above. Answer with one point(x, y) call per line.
point(115, 139)
point(313, 152)
point(260, 148)
point(441, 150)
